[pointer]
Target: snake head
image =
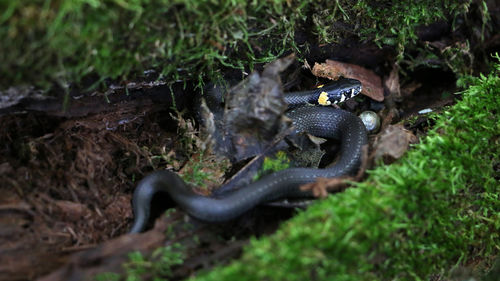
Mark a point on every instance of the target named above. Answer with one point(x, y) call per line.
point(339, 91)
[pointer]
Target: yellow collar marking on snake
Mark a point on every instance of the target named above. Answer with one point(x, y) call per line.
point(323, 99)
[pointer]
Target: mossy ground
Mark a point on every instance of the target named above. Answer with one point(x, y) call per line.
point(60, 42)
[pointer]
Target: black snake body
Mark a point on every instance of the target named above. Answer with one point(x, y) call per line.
point(326, 122)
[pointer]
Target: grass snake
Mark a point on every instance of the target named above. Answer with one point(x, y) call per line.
point(321, 121)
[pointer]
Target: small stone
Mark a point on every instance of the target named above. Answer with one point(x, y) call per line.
point(371, 121)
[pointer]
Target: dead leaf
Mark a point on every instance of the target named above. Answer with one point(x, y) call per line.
point(393, 142)
point(392, 83)
point(372, 84)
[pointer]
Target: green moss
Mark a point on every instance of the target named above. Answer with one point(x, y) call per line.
point(61, 41)
point(196, 173)
point(397, 21)
point(159, 263)
point(436, 209)
point(65, 40)
point(278, 162)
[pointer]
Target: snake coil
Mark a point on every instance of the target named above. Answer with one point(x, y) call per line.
point(326, 122)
